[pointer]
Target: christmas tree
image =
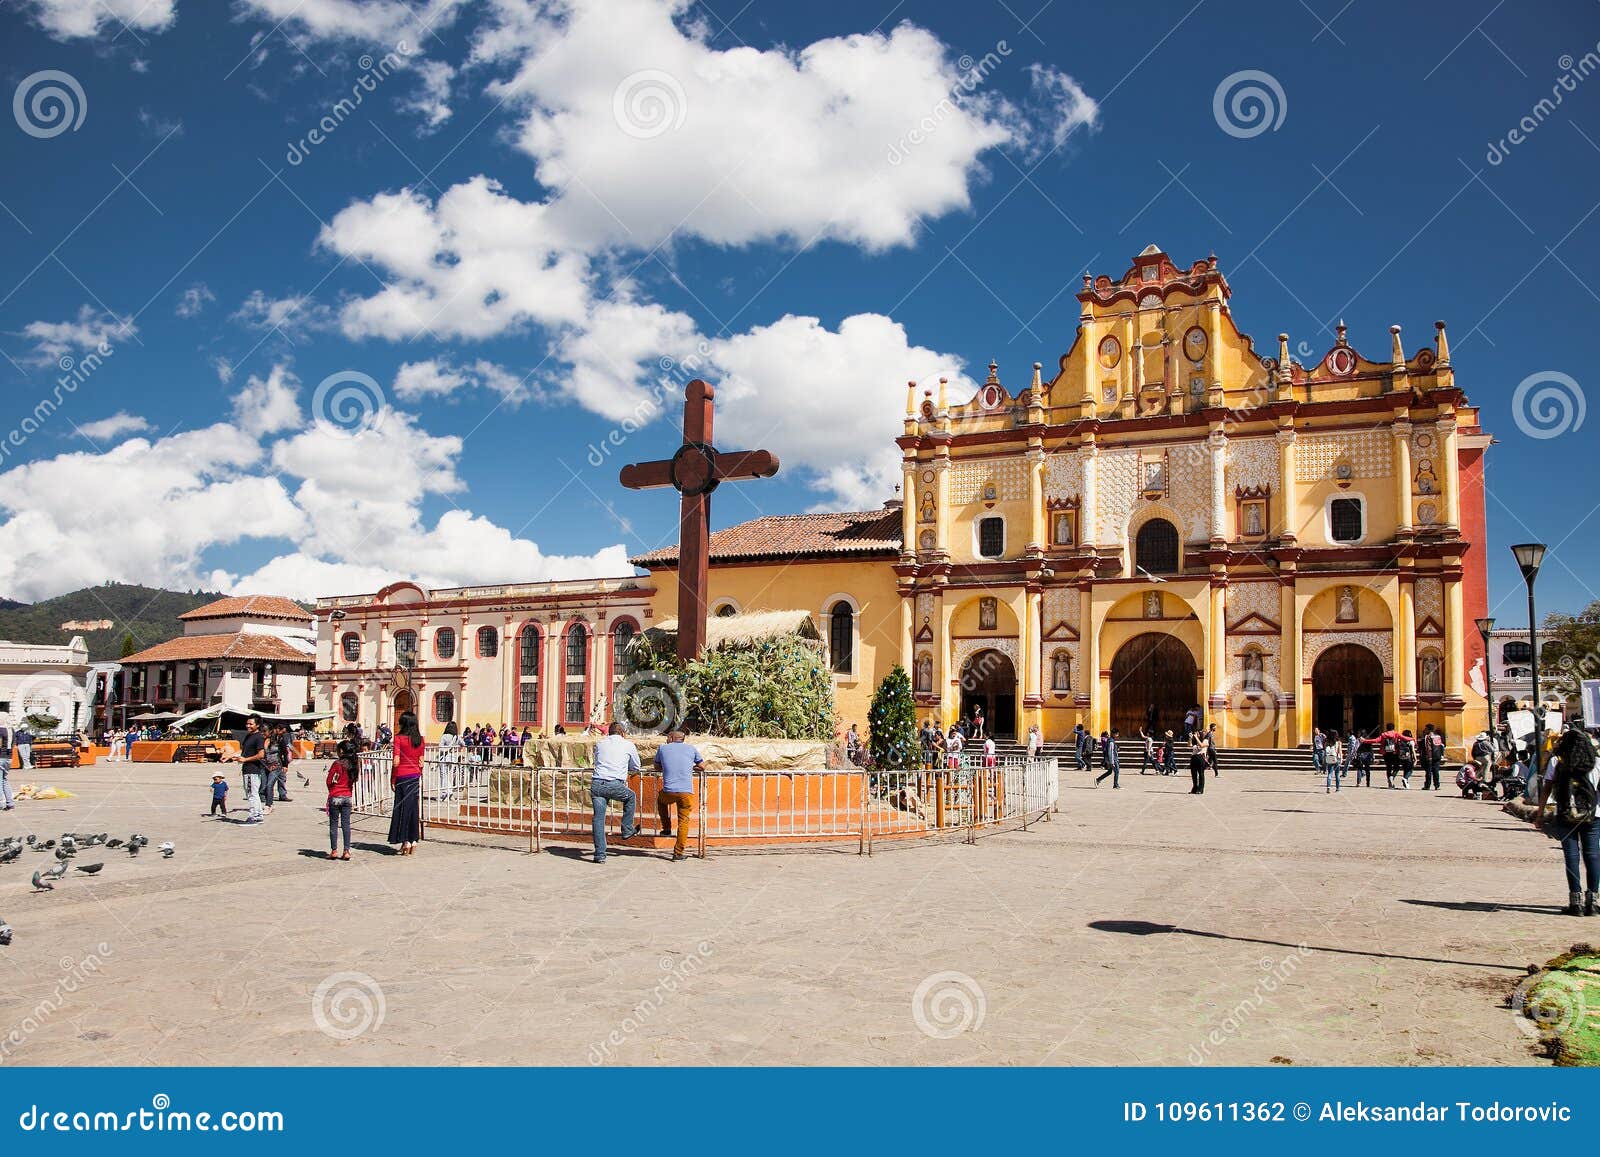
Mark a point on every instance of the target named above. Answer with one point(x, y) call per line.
point(892, 723)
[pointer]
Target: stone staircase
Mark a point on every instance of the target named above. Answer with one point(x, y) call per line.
point(1131, 752)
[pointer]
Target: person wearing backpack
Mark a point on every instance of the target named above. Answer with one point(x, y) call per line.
point(1574, 824)
point(1389, 747)
point(1408, 757)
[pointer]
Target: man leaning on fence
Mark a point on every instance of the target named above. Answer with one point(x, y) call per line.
point(615, 758)
point(677, 762)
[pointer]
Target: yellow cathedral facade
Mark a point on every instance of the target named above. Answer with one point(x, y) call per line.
point(1172, 518)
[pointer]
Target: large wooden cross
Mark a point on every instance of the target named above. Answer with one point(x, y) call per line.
point(694, 472)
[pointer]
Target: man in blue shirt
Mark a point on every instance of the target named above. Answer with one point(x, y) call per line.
point(615, 758)
point(677, 762)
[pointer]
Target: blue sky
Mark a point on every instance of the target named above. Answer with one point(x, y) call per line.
point(541, 217)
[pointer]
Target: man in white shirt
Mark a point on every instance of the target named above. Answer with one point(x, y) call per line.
point(615, 758)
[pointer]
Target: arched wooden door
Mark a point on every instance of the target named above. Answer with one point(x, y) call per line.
point(403, 701)
point(988, 678)
point(1347, 690)
point(1152, 671)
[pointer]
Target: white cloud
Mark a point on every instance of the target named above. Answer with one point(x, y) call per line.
point(473, 264)
point(195, 299)
point(224, 369)
point(291, 316)
point(1060, 106)
point(68, 19)
point(432, 100)
point(89, 330)
point(374, 21)
point(268, 405)
point(116, 425)
point(438, 377)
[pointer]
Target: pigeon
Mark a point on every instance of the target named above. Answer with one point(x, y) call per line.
point(56, 872)
point(133, 849)
point(39, 884)
point(304, 782)
point(47, 845)
point(90, 869)
point(136, 838)
point(113, 843)
point(10, 853)
point(32, 839)
point(167, 849)
point(66, 853)
point(5, 934)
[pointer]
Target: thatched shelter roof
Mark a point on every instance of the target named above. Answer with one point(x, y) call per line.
point(738, 630)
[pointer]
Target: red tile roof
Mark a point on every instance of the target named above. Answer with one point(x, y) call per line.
point(241, 646)
point(252, 606)
point(861, 533)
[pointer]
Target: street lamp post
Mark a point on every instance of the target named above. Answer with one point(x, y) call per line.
point(1529, 556)
point(1486, 628)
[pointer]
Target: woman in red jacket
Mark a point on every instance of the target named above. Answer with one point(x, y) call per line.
point(342, 774)
point(405, 822)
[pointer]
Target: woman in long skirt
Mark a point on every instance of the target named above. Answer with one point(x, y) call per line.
point(405, 823)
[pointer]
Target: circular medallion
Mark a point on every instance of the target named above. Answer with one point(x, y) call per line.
point(927, 475)
point(926, 540)
point(1341, 361)
point(989, 397)
point(694, 469)
point(1110, 352)
point(1194, 343)
point(1426, 513)
point(1344, 471)
point(1424, 441)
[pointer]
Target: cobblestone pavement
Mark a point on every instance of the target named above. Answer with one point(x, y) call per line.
point(1263, 922)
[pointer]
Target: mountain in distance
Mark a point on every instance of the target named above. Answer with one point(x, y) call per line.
point(148, 614)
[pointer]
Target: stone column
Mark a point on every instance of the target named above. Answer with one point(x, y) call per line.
point(908, 509)
point(941, 525)
point(1455, 642)
point(1450, 471)
point(510, 674)
point(1293, 695)
point(1089, 653)
point(1033, 658)
point(1217, 682)
point(1218, 442)
point(1405, 645)
point(949, 694)
point(1027, 643)
point(908, 600)
point(1088, 513)
point(1402, 476)
point(1213, 362)
point(1287, 513)
point(1036, 521)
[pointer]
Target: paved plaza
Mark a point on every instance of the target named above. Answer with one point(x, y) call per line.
point(1264, 923)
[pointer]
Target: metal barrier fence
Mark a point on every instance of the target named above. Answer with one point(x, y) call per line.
point(478, 790)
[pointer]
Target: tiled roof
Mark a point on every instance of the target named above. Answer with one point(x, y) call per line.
point(854, 533)
point(241, 646)
point(256, 606)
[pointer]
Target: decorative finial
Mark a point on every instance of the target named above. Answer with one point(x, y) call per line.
point(1087, 280)
point(1442, 345)
point(1397, 353)
point(994, 368)
point(1340, 331)
point(943, 382)
point(1283, 351)
point(911, 399)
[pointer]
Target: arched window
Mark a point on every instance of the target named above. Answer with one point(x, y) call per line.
point(577, 667)
point(444, 707)
point(405, 647)
point(350, 645)
point(528, 654)
point(842, 638)
point(1155, 550)
point(623, 632)
point(348, 706)
point(444, 643)
point(1517, 651)
point(726, 611)
point(488, 643)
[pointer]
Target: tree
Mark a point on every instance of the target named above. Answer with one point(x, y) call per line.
point(128, 646)
point(1573, 653)
point(892, 723)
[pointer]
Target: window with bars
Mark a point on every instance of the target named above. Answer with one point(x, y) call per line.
point(622, 636)
point(1346, 520)
point(488, 643)
point(351, 647)
point(991, 537)
point(528, 652)
point(444, 643)
point(841, 638)
point(348, 705)
point(405, 647)
point(577, 650)
point(528, 702)
point(444, 707)
point(577, 668)
point(1155, 549)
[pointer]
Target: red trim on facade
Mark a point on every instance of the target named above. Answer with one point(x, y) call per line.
point(537, 676)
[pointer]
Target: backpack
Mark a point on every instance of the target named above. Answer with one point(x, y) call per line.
point(1388, 745)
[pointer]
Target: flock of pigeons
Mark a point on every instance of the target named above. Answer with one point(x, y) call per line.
point(69, 845)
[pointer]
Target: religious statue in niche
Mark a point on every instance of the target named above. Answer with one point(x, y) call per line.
point(1254, 669)
point(928, 507)
point(988, 614)
point(1064, 535)
point(1061, 671)
point(1155, 475)
point(1347, 605)
point(1431, 675)
point(926, 540)
point(1426, 482)
point(1152, 604)
point(1254, 520)
point(924, 673)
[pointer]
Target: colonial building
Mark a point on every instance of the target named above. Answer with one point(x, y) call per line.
point(1171, 518)
point(529, 654)
point(42, 679)
point(1511, 672)
point(248, 653)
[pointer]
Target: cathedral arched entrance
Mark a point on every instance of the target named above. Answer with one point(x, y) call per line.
point(1152, 677)
point(989, 679)
point(1347, 690)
